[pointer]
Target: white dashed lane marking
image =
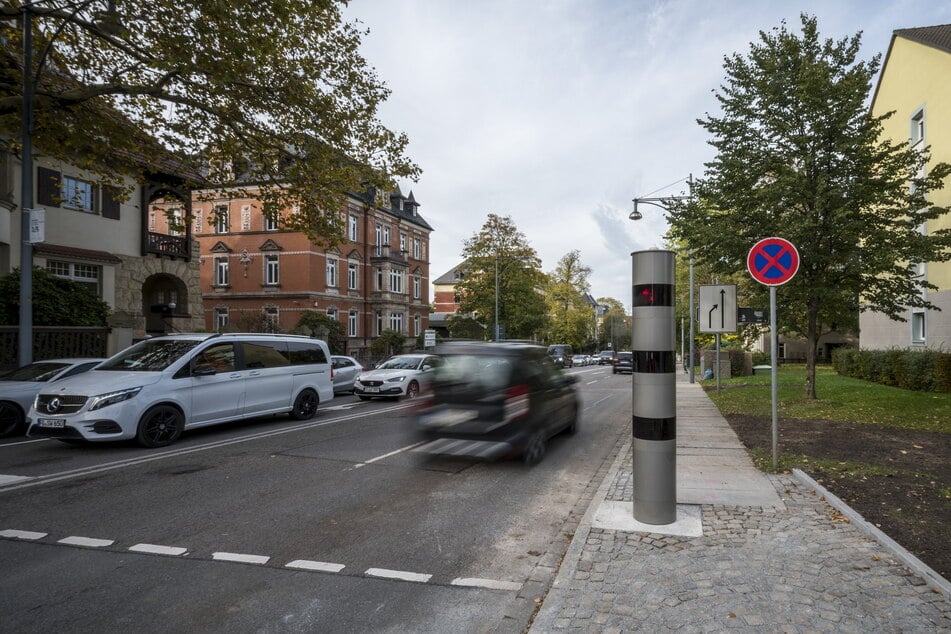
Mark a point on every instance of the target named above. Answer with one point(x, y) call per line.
point(491, 584)
point(319, 566)
point(402, 575)
point(91, 542)
point(15, 534)
point(240, 558)
point(156, 549)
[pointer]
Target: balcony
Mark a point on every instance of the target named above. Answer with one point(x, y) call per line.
point(167, 245)
point(383, 253)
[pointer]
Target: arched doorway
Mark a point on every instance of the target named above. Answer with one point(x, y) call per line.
point(164, 297)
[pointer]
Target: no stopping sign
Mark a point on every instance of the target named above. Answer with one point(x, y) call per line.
point(773, 261)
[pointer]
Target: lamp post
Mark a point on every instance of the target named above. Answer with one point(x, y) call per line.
point(637, 215)
point(109, 22)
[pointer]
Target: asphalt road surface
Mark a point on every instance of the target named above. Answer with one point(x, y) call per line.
point(275, 525)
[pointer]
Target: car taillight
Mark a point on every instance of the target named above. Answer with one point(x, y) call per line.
point(516, 402)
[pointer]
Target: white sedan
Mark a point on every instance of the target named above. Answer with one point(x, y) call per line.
point(18, 388)
point(403, 375)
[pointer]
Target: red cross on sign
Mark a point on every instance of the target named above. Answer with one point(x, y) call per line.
point(773, 261)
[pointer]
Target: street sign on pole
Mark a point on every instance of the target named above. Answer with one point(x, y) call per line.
point(429, 338)
point(717, 308)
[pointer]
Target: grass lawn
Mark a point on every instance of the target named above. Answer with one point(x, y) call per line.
point(839, 398)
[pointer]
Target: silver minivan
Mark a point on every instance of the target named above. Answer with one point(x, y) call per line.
point(158, 388)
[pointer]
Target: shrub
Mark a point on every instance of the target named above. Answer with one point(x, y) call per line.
point(921, 370)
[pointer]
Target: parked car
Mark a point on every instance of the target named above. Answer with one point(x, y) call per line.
point(496, 400)
point(624, 362)
point(19, 387)
point(158, 388)
point(606, 357)
point(346, 370)
point(579, 360)
point(561, 354)
point(404, 375)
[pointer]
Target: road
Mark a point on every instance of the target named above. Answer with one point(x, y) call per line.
point(275, 525)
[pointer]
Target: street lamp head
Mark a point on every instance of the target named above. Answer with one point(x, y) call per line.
point(635, 215)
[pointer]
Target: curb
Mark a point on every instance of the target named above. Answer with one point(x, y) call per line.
point(932, 578)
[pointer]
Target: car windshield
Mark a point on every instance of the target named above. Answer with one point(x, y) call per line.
point(483, 372)
point(149, 355)
point(39, 372)
point(401, 363)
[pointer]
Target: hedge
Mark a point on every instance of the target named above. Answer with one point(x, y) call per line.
point(921, 370)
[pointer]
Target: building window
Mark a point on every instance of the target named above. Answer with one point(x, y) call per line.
point(77, 194)
point(378, 234)
point(781, 350)
point(176, 223)
point(331, 272)
point(332, 313)
point(417, 286)
point(379, 278)
point(918, 327)
point(402, 243)
point(353, 229)
point(386, 236)
point(379, 323)
point(918, 127)
point(416, 322)
point(272, 270)
point(396, 281)
point(151, 221)
point(417, 248)
point(272, 318)
point(221, 219)
point(197, 228)
point(353, 324)
point(221, 271)
point(270, 224)
point(352, 276)
point(85, 274)
point(396, 322)
point(221, 318)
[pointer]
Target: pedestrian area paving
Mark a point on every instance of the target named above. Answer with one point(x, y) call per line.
point(749, 552)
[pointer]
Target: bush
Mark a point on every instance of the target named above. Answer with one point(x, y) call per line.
point(921, 370)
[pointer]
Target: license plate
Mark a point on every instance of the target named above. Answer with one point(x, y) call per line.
point(371, 389)
point(448, 418)
point(52, 423)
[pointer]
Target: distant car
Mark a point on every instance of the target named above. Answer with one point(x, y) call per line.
point(579, 360)
point(496, 400)
point(561, 354)
point(624, 363)
point(606, 357)
point(404, 375)
point(346, 370)
point(18, 388)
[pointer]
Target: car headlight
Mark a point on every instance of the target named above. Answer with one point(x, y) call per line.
point(111, 398)
point(396, 379)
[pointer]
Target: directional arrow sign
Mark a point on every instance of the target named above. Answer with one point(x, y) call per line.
point(718, 308)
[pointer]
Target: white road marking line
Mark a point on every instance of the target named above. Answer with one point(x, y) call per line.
point(10, 479)
point(92, 542)
point(15, 534)
point(398, 574)
point(592, 382)
point(491, 584)
point(155, 549)
point(24, 442)
point(240, 558)
point(387, 455)
point(320, 566)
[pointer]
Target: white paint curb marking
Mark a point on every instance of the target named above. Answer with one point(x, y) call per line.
point(155, 549)
point(320, 566)
point(10, 479)
point(398, 574)
point(238, 557)
point(75, 540)
point(15, 534)
point(491, 584)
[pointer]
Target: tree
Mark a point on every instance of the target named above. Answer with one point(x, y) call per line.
point(500, 246)
point(270, 93)
point(572, 318)
point(389, 342)
point(615, 330)
point(56, 301)
point(464, 327)
point(323, 326)
point(800, 156)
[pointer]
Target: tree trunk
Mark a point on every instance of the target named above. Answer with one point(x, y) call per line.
point(812, 342)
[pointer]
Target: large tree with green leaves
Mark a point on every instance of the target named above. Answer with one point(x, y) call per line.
point(274, 93)
point(615, 331)
point(799, 156)
point(499, 259)
point(572, 318)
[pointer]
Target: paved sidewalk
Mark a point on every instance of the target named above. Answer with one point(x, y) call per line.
point(750, 552)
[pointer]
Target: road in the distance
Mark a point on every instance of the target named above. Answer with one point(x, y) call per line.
point(332, 525)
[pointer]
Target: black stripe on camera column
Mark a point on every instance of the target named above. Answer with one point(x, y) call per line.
point(654, 420)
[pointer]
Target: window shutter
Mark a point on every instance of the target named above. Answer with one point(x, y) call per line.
point(110, 205)
point(47, 187)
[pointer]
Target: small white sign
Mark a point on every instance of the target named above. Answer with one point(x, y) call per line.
point(37, 225)
point(429, 338)
point(717, 308)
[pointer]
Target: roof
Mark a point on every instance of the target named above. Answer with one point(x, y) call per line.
point(44, 248)
point(935, 36)
point(449, 277)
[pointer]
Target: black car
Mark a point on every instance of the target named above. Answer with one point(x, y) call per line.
point(606, 357)
point(497, 400)
point(624, 363)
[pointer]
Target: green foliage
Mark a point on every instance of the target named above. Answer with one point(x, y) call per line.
point(389, 342)
point(465, 327)
point(921, 370)
point(572, 317)
point(56, 301)
point(274, 92)
point(799, 156)
point(323, 326)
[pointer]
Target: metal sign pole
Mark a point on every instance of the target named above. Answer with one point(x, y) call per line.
point(716, 364)
point(774, 358)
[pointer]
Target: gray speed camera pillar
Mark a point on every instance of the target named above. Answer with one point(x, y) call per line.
point(655, 401)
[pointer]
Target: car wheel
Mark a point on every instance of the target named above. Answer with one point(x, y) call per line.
point(412, 390)
point(305, 405)
point(160, 426)
point(11, 418)
point(535, 449)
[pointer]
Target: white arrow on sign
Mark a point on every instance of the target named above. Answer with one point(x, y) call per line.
point(717, 308)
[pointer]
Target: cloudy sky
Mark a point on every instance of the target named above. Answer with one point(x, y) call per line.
point(559, 112)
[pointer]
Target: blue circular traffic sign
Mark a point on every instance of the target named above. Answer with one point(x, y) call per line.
point(773, 261)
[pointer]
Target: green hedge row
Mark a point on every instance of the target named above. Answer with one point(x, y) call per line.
point(922, 370)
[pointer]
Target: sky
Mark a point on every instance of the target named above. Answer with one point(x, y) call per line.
point(558, 113)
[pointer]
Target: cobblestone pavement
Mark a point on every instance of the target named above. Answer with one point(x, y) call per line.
point(802, 568)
